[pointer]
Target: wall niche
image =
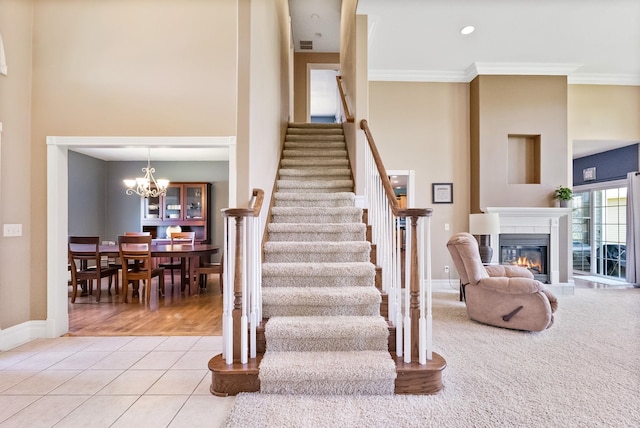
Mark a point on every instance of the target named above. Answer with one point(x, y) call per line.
point(523, 159)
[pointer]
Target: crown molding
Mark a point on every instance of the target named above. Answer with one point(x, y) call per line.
point(628, 79)
point(505, 69)
point(521, 69)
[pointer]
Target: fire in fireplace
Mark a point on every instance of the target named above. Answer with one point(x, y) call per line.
point(527, 250)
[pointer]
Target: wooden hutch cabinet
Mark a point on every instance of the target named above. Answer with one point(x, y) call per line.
point(187, 205)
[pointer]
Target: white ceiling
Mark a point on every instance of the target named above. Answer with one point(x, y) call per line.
point(317, 21)
point(592, 41)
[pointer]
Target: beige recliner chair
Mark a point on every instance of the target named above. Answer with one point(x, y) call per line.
point(503, 296)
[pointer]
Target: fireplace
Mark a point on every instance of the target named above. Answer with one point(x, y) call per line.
point(528, 250)
point(555, 223)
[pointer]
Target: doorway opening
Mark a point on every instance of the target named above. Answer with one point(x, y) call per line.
point(323, 98)
point(57, 206)
point(599, 230)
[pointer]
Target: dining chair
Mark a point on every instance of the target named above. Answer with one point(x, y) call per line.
point(135, 254)
point(206, 268)
point(115, 261)
point(85, 265)
point(180, 264)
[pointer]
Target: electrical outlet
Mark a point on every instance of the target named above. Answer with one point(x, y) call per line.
point(446, 269)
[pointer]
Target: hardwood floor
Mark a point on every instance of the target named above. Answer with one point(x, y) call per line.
point(199, 315)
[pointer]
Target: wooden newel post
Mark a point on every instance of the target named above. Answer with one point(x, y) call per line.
point(414, 302)
point(236, 314)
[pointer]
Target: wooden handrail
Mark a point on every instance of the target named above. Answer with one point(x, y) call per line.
point(343, 98)
point(257, 198)
point(388, 189)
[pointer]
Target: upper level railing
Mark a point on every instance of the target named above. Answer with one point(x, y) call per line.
point(392, 228)
point(242, 271)
point(345, 102)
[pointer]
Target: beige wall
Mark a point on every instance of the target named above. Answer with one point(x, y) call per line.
point(134, 67)
point(16, 183)
point(130, 68)
point(602, 112)
point(268, 98)
point(126, 68)
point(354, 71)
point(522, 105)
point(301, 60)
point(425, 127)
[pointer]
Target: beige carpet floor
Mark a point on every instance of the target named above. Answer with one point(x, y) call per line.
point(583, 372)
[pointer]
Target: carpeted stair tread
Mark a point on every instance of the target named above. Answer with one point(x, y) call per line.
point(314, 137)
point(317, 252)
point(313, 162)
point(322, 373)
point(318, 247)
point(314, 145)
point(314, 125)
point(318, 269)
point(320, 301)
point(306, 275)
point(316, 232)
point(320, 296)
point(300, 153)
point(315, 173)
point(319, 334)
point(320, 186)
point(314, 131)
point(325, 200)
point(314, 215)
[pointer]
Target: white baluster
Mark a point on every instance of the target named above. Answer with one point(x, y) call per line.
point(244, 328)
point(427, 221)
point(407, 294)
point(422, 345)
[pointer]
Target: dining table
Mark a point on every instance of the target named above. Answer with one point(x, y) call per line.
point(192, 252)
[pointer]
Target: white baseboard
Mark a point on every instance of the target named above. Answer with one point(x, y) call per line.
point(22, 333)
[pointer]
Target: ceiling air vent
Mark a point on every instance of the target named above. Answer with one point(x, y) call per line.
point(306, 44)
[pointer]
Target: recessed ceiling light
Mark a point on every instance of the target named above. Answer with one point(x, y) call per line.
point(467, 30)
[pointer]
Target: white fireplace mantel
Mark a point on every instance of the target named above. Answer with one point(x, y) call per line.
point(515, 220)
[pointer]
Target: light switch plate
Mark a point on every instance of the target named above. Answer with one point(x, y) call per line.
point(12, 230)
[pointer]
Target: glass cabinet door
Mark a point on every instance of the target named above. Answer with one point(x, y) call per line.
point(194, 201)
point(151, 208)
point(173, 204)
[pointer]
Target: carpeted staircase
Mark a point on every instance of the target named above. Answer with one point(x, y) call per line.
point(324, 332)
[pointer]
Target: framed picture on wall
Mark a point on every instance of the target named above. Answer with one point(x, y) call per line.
point(442, 193)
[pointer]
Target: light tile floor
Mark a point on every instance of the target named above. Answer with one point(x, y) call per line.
point(146, 381)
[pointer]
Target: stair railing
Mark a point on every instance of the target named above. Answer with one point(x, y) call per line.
point(242, 272)
point(388, 221)
point(345, 101)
